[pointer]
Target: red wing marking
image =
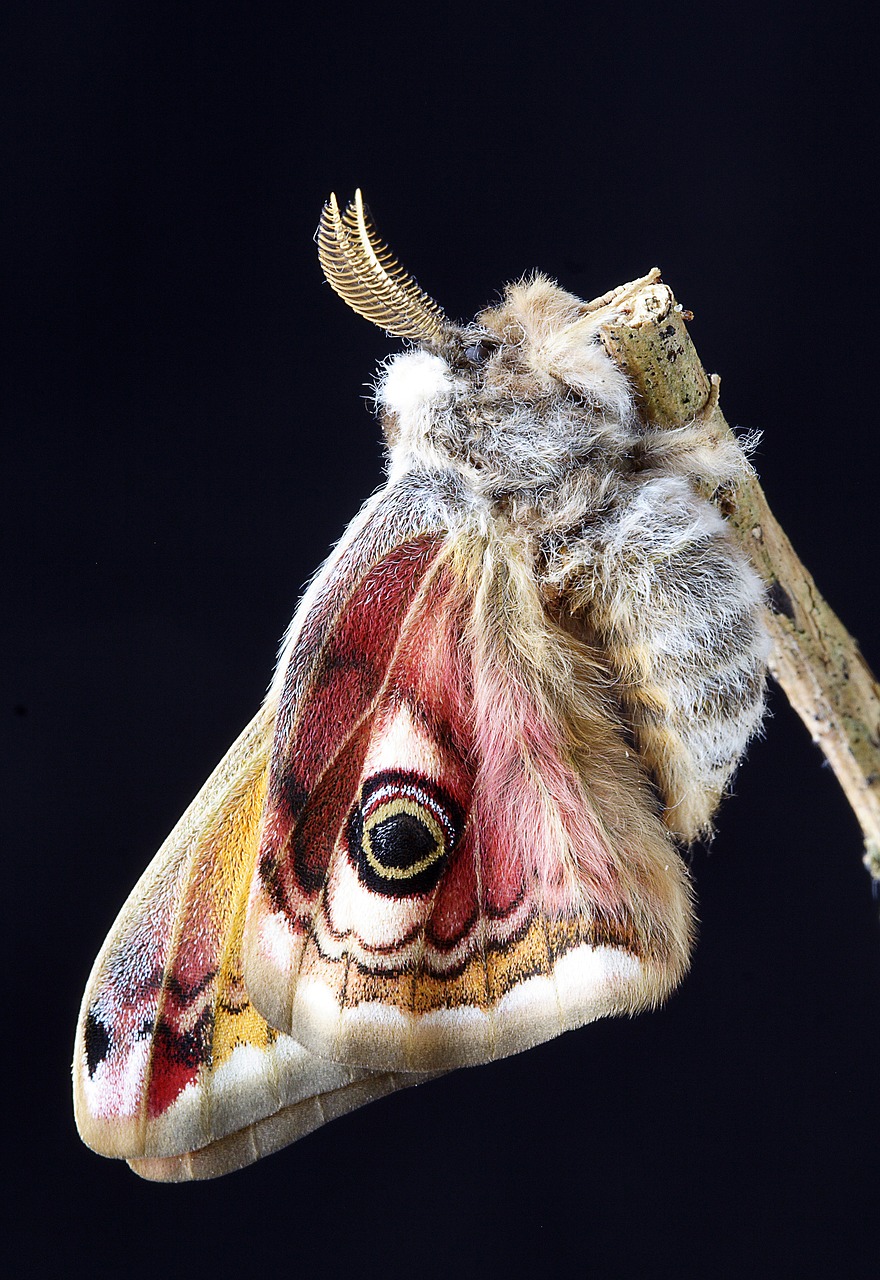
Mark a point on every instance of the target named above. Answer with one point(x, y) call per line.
point(308, 801)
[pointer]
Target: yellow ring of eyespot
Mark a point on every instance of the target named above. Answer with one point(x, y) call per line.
point(392, 809)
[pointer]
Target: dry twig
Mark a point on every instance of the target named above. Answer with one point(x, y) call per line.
point(815, 659)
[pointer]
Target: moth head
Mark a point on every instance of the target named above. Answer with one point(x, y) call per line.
point(478, 391)
point(542, 341)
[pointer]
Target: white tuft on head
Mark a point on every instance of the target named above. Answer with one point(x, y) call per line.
point(414, 383)
point(415, 392)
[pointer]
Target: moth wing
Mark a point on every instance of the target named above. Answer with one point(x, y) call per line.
point(170, 1054)
point(275, 1131)
point(460, 856)
point(171, 1057)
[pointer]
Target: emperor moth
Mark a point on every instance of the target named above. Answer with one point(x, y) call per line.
point(528, 669)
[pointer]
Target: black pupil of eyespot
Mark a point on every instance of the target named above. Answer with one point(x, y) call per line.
point(402, 832)
point(401, 841)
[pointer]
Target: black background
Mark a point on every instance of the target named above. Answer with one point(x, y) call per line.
point(188, 439)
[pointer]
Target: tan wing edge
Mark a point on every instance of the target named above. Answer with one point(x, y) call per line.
point(273, 1132)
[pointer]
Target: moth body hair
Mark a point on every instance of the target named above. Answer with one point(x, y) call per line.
point(544, 437)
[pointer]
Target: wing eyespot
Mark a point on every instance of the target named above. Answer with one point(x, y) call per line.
point(402, 833)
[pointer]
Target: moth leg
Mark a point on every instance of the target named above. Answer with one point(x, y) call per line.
point(676, 608)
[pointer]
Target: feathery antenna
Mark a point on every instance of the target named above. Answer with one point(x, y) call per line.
point(360, 267)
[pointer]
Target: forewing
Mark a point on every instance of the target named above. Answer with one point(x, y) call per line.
point(460, 857)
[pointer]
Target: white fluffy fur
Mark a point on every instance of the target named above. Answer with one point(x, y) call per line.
point(415, 384)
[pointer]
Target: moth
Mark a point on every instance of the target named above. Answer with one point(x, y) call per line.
point(523, 678)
